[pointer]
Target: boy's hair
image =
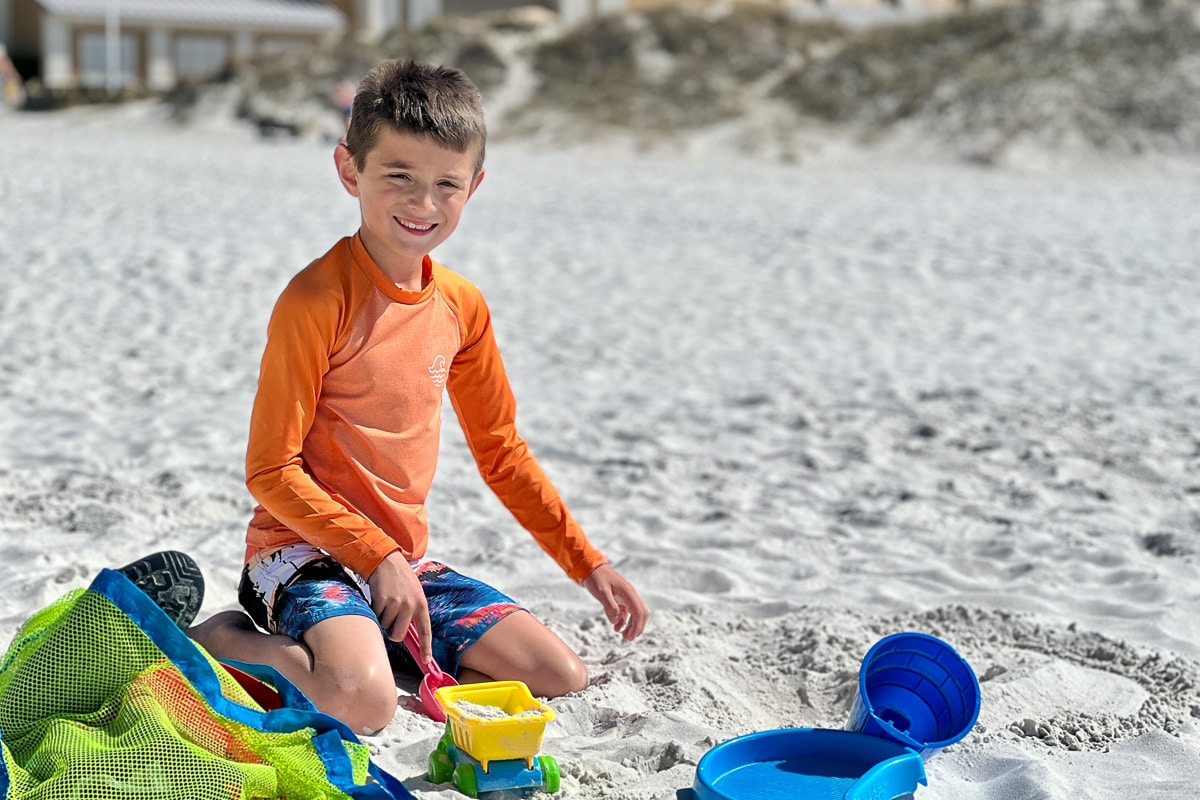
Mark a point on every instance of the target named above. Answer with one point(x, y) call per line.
point(439, 102)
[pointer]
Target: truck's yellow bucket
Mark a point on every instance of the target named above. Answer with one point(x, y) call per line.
point(496, 720)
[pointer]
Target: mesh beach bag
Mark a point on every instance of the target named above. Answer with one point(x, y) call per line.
point(103, 697)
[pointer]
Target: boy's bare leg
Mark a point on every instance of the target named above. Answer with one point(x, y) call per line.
point(519, 647)
point(342, 664)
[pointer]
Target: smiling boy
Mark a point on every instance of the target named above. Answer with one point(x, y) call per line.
point(345, 428)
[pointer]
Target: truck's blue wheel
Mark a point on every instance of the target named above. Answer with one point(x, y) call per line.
point(550, 776)
point(464, 780)
point(441, 768)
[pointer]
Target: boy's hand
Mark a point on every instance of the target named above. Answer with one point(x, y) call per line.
point(622, 605)
point(397, 599)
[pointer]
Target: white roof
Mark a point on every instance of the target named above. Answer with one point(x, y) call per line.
point(290, 14)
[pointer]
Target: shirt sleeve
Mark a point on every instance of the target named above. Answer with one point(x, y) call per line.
point(303, 330)
point(483, 400)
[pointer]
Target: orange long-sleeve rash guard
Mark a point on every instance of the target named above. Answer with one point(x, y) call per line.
point(345, 427)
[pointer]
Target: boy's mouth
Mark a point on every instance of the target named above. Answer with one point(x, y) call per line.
point(414, 226)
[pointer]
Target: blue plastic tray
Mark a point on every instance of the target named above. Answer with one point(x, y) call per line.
point(808, 764)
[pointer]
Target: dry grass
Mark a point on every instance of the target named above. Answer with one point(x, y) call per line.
point(1118, 83)
point(669, 69)
point(886, 74)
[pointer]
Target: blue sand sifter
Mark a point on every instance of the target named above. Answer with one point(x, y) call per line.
point(915, 689)
point(808, 764)
point(916, 695)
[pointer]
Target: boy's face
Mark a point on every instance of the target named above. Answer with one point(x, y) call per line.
point(411, 192)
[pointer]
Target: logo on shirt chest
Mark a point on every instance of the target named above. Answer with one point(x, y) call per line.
point(438, 371)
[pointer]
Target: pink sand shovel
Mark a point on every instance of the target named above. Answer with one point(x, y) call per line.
point(434, 677)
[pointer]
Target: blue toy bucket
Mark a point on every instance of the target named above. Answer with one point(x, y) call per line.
point(915, 689)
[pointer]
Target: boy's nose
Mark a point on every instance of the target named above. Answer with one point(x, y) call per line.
point(422, 199)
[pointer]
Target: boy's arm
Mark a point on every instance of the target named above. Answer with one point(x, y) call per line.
point(301, 334)
point(486, 409)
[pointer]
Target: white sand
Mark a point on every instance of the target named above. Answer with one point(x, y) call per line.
point(800, 407)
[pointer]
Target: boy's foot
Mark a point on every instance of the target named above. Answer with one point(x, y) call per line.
point(172, 580)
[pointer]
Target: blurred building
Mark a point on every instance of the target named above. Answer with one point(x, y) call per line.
point(153, 44)
point(373, 18)
point(156, 44)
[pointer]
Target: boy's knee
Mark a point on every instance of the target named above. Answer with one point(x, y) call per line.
point(377, 714)
point(576, 677)
point(569, 676)
point(366, 703)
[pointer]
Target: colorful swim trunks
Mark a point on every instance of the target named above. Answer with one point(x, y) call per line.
point(292, 588)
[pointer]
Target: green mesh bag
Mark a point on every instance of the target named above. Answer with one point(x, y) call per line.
point(103, 697)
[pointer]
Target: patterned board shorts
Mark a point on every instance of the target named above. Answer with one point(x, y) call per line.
point(292, 588)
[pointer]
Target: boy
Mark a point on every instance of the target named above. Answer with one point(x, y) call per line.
point(345, 427)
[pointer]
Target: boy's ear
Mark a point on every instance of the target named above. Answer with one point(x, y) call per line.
point(475, 184)
point(347, 170)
